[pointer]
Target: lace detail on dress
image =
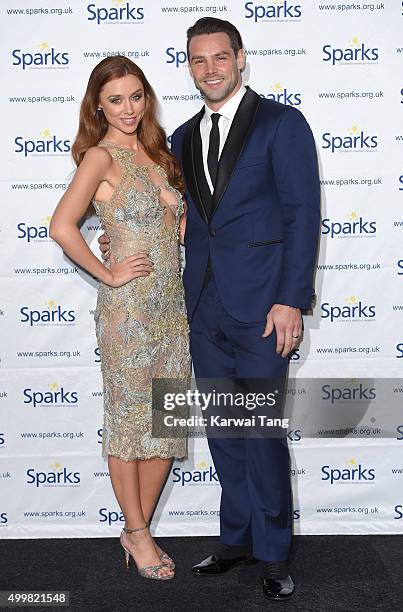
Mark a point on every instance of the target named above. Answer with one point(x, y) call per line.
point(142, 327)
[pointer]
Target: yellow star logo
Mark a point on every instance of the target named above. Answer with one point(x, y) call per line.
point(53, 386)
point(46, 220)
point(354, 129)
point(50, 303)
point(43, 46)
point(277, 87)
point(202, 465)
point(56, 465)
point(352, 299)
point(117, 2)
point(353, 215)
point(351, 462)
point(45, 133)
point(355, 41)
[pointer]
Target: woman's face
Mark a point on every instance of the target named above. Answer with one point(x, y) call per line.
point(123, 103)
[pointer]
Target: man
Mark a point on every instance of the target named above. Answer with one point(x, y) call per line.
point(252, 230)
point(252, 191)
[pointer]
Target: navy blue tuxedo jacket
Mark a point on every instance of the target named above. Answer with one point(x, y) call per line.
point(263, 228)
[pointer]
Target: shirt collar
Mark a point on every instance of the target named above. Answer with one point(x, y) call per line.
point(228, 109)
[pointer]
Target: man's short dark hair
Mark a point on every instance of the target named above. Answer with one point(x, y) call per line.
point(212, 25)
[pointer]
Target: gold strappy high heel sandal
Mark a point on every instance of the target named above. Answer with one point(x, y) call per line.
point(165, 558)
point(150, 571)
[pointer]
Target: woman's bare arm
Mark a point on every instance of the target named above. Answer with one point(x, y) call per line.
point(70, 210)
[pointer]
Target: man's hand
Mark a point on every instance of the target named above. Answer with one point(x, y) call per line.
point(182, 224)
point(288, 324)
point(104, 246)
point(182, 229)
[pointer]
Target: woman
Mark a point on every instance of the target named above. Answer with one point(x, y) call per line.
point(126, 170)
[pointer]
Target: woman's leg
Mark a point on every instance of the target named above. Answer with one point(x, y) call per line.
point(125, 482)
point(152, 475)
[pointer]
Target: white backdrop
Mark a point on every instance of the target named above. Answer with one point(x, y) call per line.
point(341, 64)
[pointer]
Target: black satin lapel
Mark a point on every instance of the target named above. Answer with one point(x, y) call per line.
point(234, 144)
point(188, 164)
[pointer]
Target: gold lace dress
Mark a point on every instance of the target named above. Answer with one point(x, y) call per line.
point(142, 327)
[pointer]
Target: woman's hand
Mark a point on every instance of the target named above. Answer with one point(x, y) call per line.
point(131, 267)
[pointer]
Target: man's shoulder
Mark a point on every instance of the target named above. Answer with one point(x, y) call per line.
point(277, 110)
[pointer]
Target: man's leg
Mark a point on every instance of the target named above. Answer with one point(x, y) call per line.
point(266, 470)
point(214, 358)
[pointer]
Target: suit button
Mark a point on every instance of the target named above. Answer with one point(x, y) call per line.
point(212, 233)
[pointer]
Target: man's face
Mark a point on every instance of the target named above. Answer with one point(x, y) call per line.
point(214, 67)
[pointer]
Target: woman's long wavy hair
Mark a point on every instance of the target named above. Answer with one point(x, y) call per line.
point(93, 125)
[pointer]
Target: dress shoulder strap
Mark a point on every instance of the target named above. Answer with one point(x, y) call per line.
point(121, 155)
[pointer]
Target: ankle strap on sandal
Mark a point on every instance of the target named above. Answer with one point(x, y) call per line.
point(126, 530)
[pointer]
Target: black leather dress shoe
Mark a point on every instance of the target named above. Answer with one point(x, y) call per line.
point(278, 589)
point(216, 564)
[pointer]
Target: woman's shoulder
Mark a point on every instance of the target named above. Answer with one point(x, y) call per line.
point(98, 156)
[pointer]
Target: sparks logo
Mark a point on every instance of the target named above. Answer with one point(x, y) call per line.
point(53, 396)
point(46, 144)
point(56, 477)
point(354, 310)
point(277, 10)
point(354, 226)
point(355, 140)
point(353, 473)
point(294, 356)
point(283, 95)
point(204, 473)
point(44, 56)
point(118, 12)
point(398, 511)
point(110, 516)
point(52, 314)
point(178, 58)
point(355, 53)
point(354, 393)
point(35, 233)
point(294, 435)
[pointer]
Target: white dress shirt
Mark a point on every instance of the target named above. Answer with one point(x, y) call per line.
point(227, 112)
